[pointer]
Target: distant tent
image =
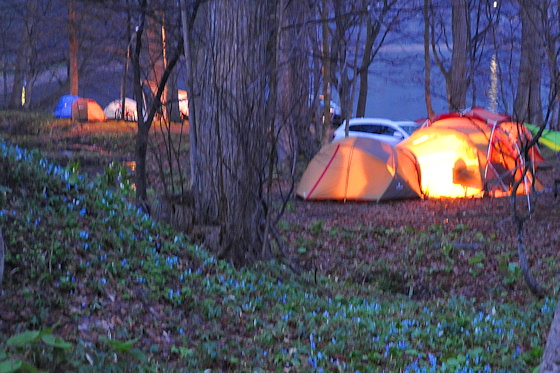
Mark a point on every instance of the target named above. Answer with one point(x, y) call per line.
point(549, 138)
point(87, 110)
point(183, 103)
point(114, 110)
point(64, 107)
point(360, 169)
point(467, 157)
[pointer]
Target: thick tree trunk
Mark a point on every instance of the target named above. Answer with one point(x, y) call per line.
point(2, 254)
point(156, 56)
point(284, 129)
point(23, 58)
point(326, 74)
point(457, 82)
point(528, 105)
point(231, 132)
point(73, 48)
point(143, 130)
point(19, 77)
point(292, 118)
point(364, 70)
point(427, 59)
point(551, 359)
point(188, 17)
point(552, 45)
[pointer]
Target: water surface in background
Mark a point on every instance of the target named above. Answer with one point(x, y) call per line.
point(396, 84)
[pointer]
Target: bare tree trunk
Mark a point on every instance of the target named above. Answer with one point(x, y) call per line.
point(427, 60)
point(232, 148)
point(188, 16)
point(552, 51)
point(326, 73)
point(304, 39)
point(519, 218)
point(144, 124)
point(528, 105)
point(364, 70)
point(23, 57)
point(2, 253)
point(457, 84)
point(141, 145)
point(286, 141)
point(523, 263)
point(377, 29)
point(551, 359)
point(73, 48)
point(156, 55)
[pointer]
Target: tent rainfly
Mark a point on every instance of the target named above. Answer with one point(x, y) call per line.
point(360, 169)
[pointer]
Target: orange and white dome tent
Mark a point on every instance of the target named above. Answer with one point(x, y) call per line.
point(359, 169)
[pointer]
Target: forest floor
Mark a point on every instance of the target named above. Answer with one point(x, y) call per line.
point(365, 242)
point(425, 252)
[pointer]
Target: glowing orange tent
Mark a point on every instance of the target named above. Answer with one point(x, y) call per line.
point(469, 157)
point(359, 169)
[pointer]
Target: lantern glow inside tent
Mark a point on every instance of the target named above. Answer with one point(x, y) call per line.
point(466, 157)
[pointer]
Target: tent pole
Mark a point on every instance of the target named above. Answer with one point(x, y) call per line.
point(348, 171)
point(489, 152)
point(489, 157)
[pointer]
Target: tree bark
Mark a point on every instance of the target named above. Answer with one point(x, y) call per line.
point(141, 144)
point(23, 57)
point(552, 51)
point(528, 105)
point(284, 128)
point(551, 359)
point(156, 55)
point(145, 120)
point(231, 137)
point(2, 253)
point(326, 123)
point(73, 48)
point(364, 70)
point(457, 83)
point(427, 59)
point(374, 27)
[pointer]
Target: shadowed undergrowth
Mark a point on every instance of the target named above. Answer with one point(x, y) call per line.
point(93, 284)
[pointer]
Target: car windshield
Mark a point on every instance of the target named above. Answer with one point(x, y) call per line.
point(408, 127)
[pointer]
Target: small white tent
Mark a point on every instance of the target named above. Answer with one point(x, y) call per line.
point(183, 103)
point(114, 110)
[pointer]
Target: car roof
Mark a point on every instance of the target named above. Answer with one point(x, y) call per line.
point(406, 123)
point(366, 120)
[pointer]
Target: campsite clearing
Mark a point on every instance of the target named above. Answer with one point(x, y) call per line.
point(421, 247)
point(416, 272)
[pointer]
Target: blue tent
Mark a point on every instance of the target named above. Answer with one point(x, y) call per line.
point(64, 107)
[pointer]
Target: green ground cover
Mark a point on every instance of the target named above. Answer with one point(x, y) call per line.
point(92, 284)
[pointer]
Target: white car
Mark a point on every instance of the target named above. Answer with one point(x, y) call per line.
point(386, 130)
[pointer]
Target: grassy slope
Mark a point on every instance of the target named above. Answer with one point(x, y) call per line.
point(81, 258)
